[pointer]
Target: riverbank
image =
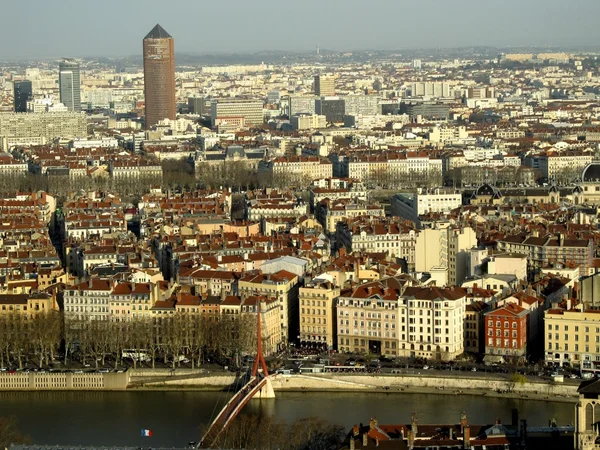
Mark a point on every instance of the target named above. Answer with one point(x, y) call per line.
point(387, 384)
point(200, 380)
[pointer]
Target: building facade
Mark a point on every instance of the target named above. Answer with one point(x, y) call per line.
point(69, 81)
point(324, 85)
point(506, 332)
point(317, 319)
point(159, 76)
point(572, 337)
point(22, 92)
point(250, 109)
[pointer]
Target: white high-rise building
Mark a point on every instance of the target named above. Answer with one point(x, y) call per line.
point(70, 84)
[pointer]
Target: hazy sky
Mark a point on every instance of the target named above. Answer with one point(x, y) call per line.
point(54, 28)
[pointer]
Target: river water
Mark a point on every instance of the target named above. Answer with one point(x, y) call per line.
point(175, 418)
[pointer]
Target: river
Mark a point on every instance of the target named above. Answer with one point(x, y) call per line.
point(175, 418)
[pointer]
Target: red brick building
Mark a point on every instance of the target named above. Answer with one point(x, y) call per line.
point(506, 332)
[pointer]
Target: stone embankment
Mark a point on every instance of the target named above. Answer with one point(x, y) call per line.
point(370, 383)
point(198, 379)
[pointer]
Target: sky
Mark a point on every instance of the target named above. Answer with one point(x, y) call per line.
point(80, 28)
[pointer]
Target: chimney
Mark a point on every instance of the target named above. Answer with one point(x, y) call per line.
point(569, 304)
point(498, 422)
point(450, 433)
point(467, 437)
point(365, 437)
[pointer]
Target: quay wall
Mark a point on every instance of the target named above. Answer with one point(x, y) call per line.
point(325, 382)
point(195, 379)
point(50, 381)
point(383, 383)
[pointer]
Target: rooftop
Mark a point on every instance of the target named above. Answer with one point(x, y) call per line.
point(158, 32)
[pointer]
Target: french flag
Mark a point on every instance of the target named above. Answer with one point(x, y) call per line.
point(146, 433)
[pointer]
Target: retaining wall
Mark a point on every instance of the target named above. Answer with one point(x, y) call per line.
point(35, 381)
point(366, 382)
point(340, 382)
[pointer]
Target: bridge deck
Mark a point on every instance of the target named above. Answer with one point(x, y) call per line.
point(230, 410)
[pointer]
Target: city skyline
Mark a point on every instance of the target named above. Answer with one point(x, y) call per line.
point(382, 26)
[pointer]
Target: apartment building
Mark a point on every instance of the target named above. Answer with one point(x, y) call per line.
point(88, 300)
point(250, 109)
point(209, 282)
point(393, 236)
point(475, 326)
point(554, 164)
point(445, 247)
point(303, 122)
point(542, 251)
point(361, 105)
point(368, 318)
point(572, 337)
point(335, 189)
point(324, 85)
point(393, 317)
point(447, 135)
point(330, 212)
point(434, 89)
point(302, 104)
point(432, 322)
point(506, 331)
point(46, 126)
point(412, 205)
point(129, 301)
point(27, 305)
point(317, 313)
point(284, 287)
point(271, 333)
point(387, 166)
point(300, 170)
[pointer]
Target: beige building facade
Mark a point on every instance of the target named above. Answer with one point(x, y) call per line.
point(317, 319)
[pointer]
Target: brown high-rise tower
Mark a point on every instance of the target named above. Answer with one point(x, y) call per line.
point(159, 76)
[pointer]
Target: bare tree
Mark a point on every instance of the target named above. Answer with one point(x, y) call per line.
point(10, 433)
